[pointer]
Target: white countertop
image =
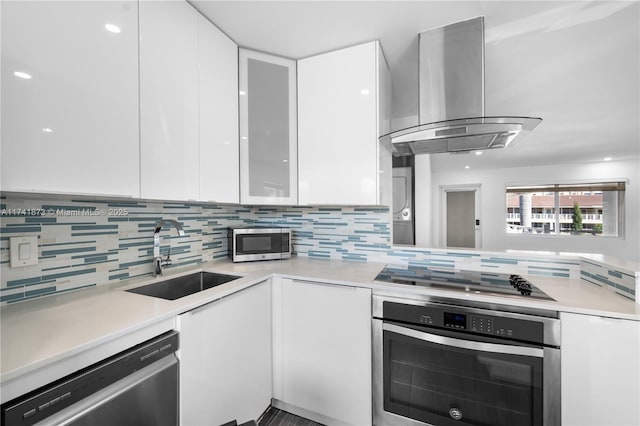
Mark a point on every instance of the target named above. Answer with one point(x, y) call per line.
point(39, 333)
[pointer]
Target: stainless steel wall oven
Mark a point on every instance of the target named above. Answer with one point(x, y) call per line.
point(441, 364)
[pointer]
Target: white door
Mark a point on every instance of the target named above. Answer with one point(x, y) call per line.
point(461, 224)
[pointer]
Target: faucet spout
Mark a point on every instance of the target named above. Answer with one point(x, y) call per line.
point(175, 223)
point(158, 261)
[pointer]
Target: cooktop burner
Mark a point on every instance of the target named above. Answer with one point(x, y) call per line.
point(468, 281)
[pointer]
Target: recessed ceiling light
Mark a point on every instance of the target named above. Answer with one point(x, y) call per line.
point(244, 138)
point(23, 75)
point(285, 161)
point(607, 159)
point(478, 152)
point(46, 130)
point(112, 28)
point(365, 92)
point(242, 93)
point(466, 167)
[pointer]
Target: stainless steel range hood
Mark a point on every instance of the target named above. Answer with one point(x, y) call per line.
point(451, 104)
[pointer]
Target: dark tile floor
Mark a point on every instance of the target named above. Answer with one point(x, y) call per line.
point(275, 417)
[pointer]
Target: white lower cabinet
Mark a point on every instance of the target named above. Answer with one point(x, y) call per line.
point(322, 351)
point(600, 371)
point(225, 359)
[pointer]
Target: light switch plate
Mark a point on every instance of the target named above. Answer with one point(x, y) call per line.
point(23, 251)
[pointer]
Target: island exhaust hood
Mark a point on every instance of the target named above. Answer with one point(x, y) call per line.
point(451, 90)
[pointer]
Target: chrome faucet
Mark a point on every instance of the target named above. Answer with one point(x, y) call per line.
point(158, 261)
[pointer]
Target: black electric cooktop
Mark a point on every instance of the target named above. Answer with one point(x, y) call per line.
point(489, 283)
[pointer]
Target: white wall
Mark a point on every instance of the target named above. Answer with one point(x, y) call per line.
point(449, 170)
point(422, 177)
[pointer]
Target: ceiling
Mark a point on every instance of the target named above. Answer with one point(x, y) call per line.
point(576, 64)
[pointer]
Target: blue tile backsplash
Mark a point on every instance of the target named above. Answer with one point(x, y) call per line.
point(86, 242)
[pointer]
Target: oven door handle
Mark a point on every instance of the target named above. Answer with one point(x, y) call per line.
point(464, 344)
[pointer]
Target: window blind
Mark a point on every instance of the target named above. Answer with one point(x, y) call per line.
point(583, 187)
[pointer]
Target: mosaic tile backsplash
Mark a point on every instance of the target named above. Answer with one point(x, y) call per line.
point(622, 282)
point(87, 242)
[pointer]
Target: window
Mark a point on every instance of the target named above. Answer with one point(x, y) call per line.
point(580, 209)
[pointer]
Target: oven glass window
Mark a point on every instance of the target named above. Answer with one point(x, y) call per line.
point(442, 384)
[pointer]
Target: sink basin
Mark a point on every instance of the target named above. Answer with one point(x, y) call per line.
point(175, 288)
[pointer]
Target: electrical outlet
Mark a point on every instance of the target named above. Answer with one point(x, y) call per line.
point(23, 251)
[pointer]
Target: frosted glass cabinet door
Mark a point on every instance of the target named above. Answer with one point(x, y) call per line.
point(218, 92)
point(268, 129)
point(70, 97)
point(169, 143)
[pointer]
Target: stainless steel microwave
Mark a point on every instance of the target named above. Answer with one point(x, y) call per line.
point(254, 243)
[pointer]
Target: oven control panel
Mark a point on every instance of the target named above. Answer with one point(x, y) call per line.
point(479, 324)
point(482, 324)
point(465, 321)
point(455, 320)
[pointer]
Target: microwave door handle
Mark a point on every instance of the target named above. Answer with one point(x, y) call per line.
point(464, 344)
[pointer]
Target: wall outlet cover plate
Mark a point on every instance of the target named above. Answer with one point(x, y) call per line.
point(23, 251)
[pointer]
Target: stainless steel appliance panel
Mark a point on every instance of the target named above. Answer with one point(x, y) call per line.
point(138, 386)
point(452, 71)
point(254, 243)
point(444, 364)
point(148, 397)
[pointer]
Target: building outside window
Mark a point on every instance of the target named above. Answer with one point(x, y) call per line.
point(585, 209)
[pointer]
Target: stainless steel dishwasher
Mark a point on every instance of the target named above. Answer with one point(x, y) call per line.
point(138, 386)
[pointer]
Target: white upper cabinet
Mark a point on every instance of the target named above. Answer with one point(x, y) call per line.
point(188, 106)
point(342, 110)
point(268, 160)
point(218, 92)
point(169, 142)
point(70, 97)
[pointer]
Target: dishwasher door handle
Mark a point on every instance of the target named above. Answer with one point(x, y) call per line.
point(464, 344)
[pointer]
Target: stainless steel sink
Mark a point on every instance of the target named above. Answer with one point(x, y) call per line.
point(175, 288)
